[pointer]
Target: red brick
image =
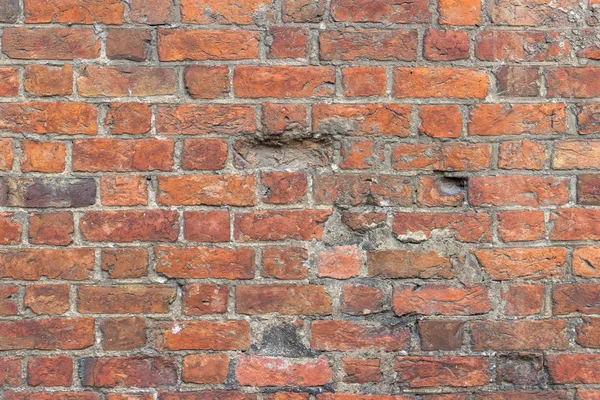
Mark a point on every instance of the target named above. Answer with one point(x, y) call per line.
point(47, 299)
point(193, 119)
point(33, 264)
point(408, 264)
point(522, 369)
point(74, 11)
point(288, 42)
point(521, 226)
point(123, 333)
point(120, 82)
point(278, 119)
point(110, 372)
point(132, 299)
point(284, 187)
point(200, 45)
point(445, 45)
point(350, 336)
point(523, 154)
point(361, 299)
point(342, 262)
point(574, 368)
point(587, 394)
point(282, 299)
point(10, 229)
point(517, 119)
point(205, 368)
point(268, 371)
point(576, 298)
point(212, 226)
point(204, 154)
point(442, 157)
point(363, 221)
point(518, 81)
point(43, 80)
point(586, 262)
point(10, 373)
point(51, 228)
point(128, 119)
point(7, 154)
point(283, 81)
point(129, 44)
point(44, 157)
point(46, 118)
point(429, 82)
point(441, 334)
point(588, 189)
point(47, 334)
point(587, 333)
point(362, 119)
point(125, 263)
point(531, 264)
point(363, 81)
point(361, 371)
point(211, 190)
point(575, 224)
point(285, 263)
point(441, 299)
point(521, 46)
point(9, 82)
point(361, 155)
point(354, 190)
point(224, 11)
point(526, 191)
point(8, 305)
point(204, 262)
point(467, 227)
point(457, 12)
point(118, 396)
point(523, 299)
point(207, 82)
point(55, 371)
point(152, 12)
point(202, 299)
point(397, 12)
point(280, 225)
point(50, 43)
point(123, 190)
point(418, 372)
point(209, 394)
point(303, 10)
point(96, 155)
point(440, 121)
point(440, 192)
point(371, 45)
point(51, 396)
point(519, 335)
point(573, 82)
point(349, 396)
point(207, 335)
point(588, 119)
point(130, 226)
point(515, 13)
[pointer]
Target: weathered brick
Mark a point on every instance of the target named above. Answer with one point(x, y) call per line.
point(7, 154)
point(518, 81)
point(125, 263)
point(152, 12)
point(212, 226)
point(47, 299)
point(51, 228)
point(303, 10)
point(200, 45)
point(207, 335)
point(517, 119)
point(408, 264)
point(130, 299)
point(45, 157)
point(440, 121)
point(417, 372)
point(457, 12)
point(371, 45)
point(120, 190)
point(526, 191)
point(524, 154)
point(441, 157)
point(205, 368)
point(586, 262)
point(47, 334)
point(363, 81)
point(280, 225)
point(574, 368)
point(51, 396)
point(283, 81)
point(441, 334)
point(204, 262)
point(50, 371)
point(207, 82)
point(128, 118)
point(531, 264)
point(110, 372)
point(441, 299)
point(362, 120)
point(123, 333)
point(50, 43)
point(9, 13)
point(354, 190)
point(364, 154)
point(435, 82)
point(282, 299)
point(33, 264)
point(285, 262)
point(587, 333)
point(10, 372)
point(575, 224)
point(204, 154)
point(268, 371)
point(212, 190)
point(521, 46)
point(288, 42)
point(47, 118)
point(225, 11)
point(119, 81)
point(202, 299)
point(536, 13)
point(361, 371)
point(348, 336)
point(573, 82)
point(278, 119)
point(396, 12)
point(440, 192)
point(11, 229)
point(519, 335)
point(128, 44)
point(130, 226)
point(359, 299)
point(342, 262)
point(8, 305)
point(521, 226)
point(467, 227)
point(284, 187)
point(580, 298)
point(74, 11)
point(43, 80)
point(192, 119)
point(117, 155)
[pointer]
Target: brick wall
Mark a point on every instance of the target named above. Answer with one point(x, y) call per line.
point(299, 199)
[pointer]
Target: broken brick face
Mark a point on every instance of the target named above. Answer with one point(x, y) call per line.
point(299, 200)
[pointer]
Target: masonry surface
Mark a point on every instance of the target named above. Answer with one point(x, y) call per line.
point(299, 200)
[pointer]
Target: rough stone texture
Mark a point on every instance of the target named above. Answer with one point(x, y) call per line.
point(299, 199)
